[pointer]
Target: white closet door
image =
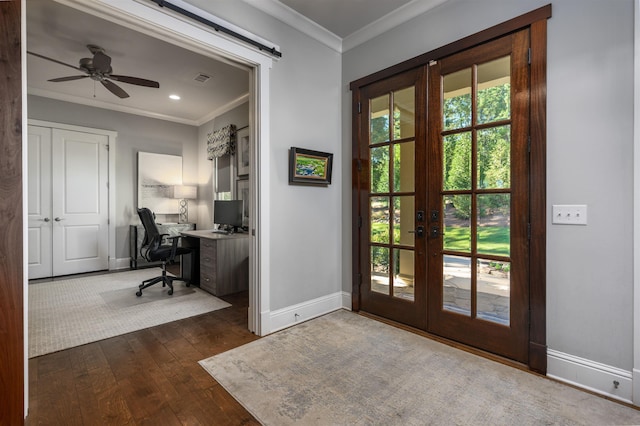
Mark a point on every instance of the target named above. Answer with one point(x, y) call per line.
point(39, 202)
point(80, 202)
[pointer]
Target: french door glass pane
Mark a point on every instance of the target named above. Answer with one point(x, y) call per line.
point(456, 292)
point(403, 274)
point(457, 161)
point(494, 90)
point(494, 289)
point(457, 100)
point(379, 120)
point(403, 220)
point(379, 219)
point(379, 160)
point(404, 113)
point(494, 224)
point(380, 269)
point(457, 223)
point(494, 157)
point(404, 167)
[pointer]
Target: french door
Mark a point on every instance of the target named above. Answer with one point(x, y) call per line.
point(393, 260)
point(443, 197)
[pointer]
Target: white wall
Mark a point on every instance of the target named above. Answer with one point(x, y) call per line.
point(135, 133)
point(590, 152)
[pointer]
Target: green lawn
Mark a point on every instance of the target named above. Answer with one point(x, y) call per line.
point(491, 239)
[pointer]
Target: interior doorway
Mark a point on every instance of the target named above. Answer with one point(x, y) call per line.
point(160, 24)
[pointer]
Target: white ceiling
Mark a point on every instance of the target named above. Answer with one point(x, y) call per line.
point(344, 17)
point(62, 33)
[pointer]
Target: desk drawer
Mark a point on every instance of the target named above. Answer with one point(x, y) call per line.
point(208, 266)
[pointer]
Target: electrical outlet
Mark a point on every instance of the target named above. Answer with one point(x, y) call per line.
point(569, 214)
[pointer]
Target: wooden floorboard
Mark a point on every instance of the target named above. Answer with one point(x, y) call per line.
point(147, 377)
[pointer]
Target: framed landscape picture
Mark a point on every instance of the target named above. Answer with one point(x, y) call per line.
point(308, 167)
point(242, 154)
point(242, 193)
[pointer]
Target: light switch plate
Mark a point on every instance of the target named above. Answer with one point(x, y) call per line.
point(575, 214)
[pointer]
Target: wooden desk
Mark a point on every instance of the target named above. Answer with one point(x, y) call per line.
point(222, 265)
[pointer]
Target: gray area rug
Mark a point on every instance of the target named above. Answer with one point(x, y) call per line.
point(345, 369)
point(68, 313)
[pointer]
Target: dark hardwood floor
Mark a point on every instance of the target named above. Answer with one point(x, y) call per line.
point(151, 376)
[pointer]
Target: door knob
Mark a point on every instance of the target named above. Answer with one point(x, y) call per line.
point(58, 219)
point(46, 219)
point(419, 231)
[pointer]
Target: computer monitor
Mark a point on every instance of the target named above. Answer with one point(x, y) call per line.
point(228, 214)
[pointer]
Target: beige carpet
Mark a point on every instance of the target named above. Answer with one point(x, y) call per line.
point(68, 313)
point(345, 369)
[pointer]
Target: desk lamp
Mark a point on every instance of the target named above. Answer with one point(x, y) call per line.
point(184, 193)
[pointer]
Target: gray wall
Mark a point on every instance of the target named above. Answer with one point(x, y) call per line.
point(589, 155)
point(135, 133)
point(238, 116)
point(305, 96)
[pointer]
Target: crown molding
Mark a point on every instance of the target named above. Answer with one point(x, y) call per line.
point(391, 20)
point(298, 21)
point(225, 108)
point(136, 111)
point(305, 25)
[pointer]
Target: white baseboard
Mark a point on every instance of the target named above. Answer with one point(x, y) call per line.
point(286, 317)
point(636, 387)
point(590, 375)
point(122, 263)
point(346, 300)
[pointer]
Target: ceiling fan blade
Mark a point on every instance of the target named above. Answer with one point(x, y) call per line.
point(114, 88)
point(135, 80)
point(70, 78)
point(102, 62)
point(54, 60)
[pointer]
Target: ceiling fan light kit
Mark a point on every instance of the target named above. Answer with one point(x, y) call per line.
point(98, 68)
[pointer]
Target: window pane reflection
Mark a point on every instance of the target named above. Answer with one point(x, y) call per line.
point(379, 219)
point(494, 224)
point(457, 223)
point(494, 291)
point(380, 269)
point(456, 292)
point(457, 161)
point(379, 119)
point(403, 220)
point(404, 167)
point(494, 90)
point(404, 113)
point(403, 274)
point(494, 157)
point(457, 100)
point(379, 161)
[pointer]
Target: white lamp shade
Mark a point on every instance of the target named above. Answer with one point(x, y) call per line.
point(187, 192)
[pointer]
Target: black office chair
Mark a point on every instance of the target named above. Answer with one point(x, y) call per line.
point(153, 250)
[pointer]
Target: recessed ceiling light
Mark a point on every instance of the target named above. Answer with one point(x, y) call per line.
point(174, 97)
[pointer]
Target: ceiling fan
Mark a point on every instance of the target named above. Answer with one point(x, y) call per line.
point(98, 68)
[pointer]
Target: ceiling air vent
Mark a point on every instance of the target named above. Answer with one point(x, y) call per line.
point(202, 78)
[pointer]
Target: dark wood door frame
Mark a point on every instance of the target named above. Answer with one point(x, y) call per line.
point(11, 218)
point(536, 21)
